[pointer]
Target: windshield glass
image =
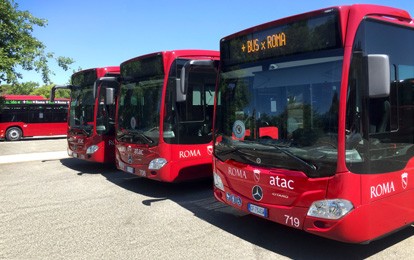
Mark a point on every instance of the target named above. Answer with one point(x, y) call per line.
point(189, 121)
point(139, 102)
point(271, 109)
point(380, 127)
point(277, 101)
point(81, 109)
point(81, 114)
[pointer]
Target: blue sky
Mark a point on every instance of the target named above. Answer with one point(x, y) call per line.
point(97, 33)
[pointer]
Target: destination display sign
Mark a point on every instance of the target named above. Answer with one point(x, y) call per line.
point(143, 67)
point(262, 42)
point(35, 102)
point(276, 40)
point(84, 78)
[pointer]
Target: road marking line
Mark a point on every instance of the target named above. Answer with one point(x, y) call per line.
point(27, 157)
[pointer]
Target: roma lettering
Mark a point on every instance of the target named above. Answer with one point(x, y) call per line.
point(236, 173)
point(281, 182)
point(189, 153)
point(382, 189)
point(276, 40)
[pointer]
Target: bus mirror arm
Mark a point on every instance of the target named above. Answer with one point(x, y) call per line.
point(105, 80)
point(378, 75)
point(53, 90)
point(182, 82)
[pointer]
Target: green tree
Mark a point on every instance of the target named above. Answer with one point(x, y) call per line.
point(19, 48)
point(42, 91)
point(45, 92)
point(25, 88)
point(32, 88)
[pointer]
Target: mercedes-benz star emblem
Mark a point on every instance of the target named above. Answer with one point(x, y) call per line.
point(257, 193)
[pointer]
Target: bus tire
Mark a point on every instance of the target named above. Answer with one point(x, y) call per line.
point(13, 134)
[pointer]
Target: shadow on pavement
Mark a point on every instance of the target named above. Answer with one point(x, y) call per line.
point(198, 198)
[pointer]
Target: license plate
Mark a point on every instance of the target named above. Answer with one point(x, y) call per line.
point(130, 169)
point(121, 165)
point(257, 210)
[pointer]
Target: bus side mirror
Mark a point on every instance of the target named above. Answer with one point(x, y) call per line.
point(110, 96)
point(109, 83)
point(52, 94)
point(182, 82)
point(181, 95)
point(95, 89)
point(378, 75)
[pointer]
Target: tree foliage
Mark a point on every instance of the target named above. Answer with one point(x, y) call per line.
point(25, 88)
point(19, 48)
point(32, 88)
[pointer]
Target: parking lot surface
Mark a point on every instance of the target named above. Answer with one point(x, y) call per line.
point(55, 207)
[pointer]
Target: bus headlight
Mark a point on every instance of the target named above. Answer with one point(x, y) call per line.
point(157, 164)
point(217, 182)
point(92, 149)
point(330, 209)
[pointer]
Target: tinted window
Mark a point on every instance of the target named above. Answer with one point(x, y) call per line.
point(381, 129)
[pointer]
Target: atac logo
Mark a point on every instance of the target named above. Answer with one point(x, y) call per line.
point(404, 180)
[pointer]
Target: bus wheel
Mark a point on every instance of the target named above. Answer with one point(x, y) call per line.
point(13, 134)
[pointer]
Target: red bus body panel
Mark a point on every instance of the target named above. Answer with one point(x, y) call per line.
point(78, 144)
point(185, 162)
point(35, 129)
point(383, 203)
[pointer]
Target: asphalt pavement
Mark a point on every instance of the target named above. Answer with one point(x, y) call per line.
point(55, 207)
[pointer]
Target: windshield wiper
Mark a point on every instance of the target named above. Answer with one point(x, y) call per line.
point(230, 148)
point(227, 151)
point(123, 135)
point(292, 155)
point(135, 133)
point(144, 137)
point(81, 129)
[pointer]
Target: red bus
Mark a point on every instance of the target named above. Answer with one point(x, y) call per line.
point(164, 119)
point(336, 86)
point(27, 115)
point(92, 109)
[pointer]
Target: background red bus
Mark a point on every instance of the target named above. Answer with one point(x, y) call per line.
point(27, 115)
point(337, 87)
point(91, 124)
point(164, 115)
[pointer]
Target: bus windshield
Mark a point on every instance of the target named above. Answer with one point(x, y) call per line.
point(81, 109)
point(81, 112)
point(139, 101)
point(279, 107)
